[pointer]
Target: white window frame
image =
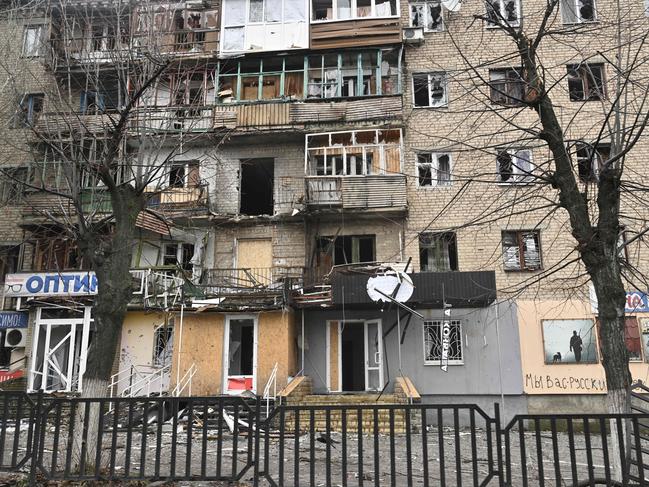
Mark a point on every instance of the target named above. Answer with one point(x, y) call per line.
point(502, 22)
point(575, 5)
point(440, 324)
point(444, 102)
point(354, 147)
point(38, 40)
point(426, 10)
point(354, 10)
point(179, 251)
point(226, 352)
point(434, 166)
point(518, 175)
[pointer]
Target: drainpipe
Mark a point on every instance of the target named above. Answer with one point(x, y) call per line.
point(302, 341)
point(180, 343)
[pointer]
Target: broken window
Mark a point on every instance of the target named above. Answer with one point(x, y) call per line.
point(578, 11)
point(438, 252)
point(434, 342)
point(521, 250)
point(591, 160)
point(433, 169)
point(429, 89)
point(348, 249)
point(9, 260)
point(427, 15)
point(30, 106)
point(257, 182)
point(354, 153)
point(514, 166)
point(352, 9)
point(264, 25)
point(178, 255)
point(183, 175)
point(586, 82)
point(503, 12)
point(57, 254)
point(163, 336)
point(33, 40)
point(507, 86)
point(13, 181)
point(632, 338)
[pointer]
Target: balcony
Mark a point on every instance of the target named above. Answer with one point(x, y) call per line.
point(357, 192)
point(57, 124)
point(184, 43)
point(192, 197)
point(182, 119)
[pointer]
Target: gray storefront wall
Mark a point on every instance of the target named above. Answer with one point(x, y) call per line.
point(491, 371)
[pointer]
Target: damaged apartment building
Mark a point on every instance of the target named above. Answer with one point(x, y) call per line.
point(290, 240)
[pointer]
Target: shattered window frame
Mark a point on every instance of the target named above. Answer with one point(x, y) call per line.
point(163, 336)
point(33, 40)
point(518, 256)
point(333, 10)
point(496, 19)
point(572, 11)
point(517, 174)
point(328, 154)
point(586, 82)
point(507, 87)
point(433, 81)
point(430, 162)
point(589, 160)
point(433, 341)
point(30, 107)
point(442, 247)
point(421, 15)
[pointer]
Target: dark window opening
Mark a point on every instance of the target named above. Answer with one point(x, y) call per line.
point(178, 255)
point(590, 161)
point(507, 87)
point(348, 249)
point(30, 107)
point(57, 254)
point(586, 82)
point(9, 259)
point(438, 252)
point(257, 187)
point(241, 347)
point(177, 176)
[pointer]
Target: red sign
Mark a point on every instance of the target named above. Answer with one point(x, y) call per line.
point(6, 375)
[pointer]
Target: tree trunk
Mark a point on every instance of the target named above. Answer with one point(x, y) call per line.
point(110, 255)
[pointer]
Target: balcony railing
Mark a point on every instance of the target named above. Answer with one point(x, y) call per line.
point(183, 119)
point(357, 192)
point(246, 280)
point(194, 196)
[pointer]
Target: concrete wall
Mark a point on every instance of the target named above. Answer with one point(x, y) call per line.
point(489, 368)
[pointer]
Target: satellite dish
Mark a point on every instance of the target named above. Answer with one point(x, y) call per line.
point(378, 287)
point(452, 5)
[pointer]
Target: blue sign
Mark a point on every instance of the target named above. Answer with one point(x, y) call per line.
point(13, 319)
point(81, 283)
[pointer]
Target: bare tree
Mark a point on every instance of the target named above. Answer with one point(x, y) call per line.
point(144, 88)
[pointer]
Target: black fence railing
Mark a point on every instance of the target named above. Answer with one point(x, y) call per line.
point(232, 439)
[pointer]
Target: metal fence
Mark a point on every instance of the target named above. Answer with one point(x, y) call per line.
point(232, 439)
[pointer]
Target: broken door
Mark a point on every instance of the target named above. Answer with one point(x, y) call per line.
point(60, 350)
point(240, 354)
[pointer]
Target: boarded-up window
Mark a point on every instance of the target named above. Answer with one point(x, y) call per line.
point(521, 250)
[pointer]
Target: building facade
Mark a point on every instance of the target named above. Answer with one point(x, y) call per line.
point(338, 191)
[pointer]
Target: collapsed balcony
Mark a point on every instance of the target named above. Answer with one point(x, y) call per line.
point(249, 287)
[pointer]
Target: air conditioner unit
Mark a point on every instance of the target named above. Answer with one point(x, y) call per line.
point(413, 35)
point(16, 338)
